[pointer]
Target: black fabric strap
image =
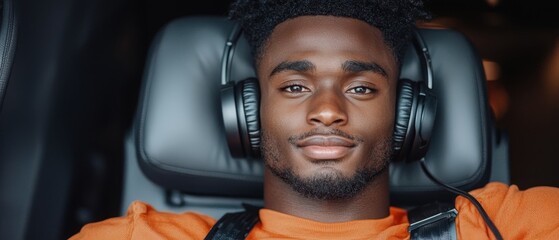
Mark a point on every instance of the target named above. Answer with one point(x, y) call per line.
point(433, 221)
point(235, 226)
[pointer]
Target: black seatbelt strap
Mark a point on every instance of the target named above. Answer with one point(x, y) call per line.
point(433, 221)
point(235, 226)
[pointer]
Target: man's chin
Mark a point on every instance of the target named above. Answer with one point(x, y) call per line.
point(326, 183)
point(332, 173)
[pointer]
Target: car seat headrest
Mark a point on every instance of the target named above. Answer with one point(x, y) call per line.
point(180, 137)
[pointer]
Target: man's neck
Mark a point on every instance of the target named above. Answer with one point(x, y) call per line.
point(371, 203)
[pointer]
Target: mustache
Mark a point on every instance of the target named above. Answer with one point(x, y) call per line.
point(324, 131)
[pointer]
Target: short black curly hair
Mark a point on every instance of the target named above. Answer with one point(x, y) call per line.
point(394, 18)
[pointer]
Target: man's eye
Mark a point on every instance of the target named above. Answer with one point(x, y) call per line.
point(295, 89)
point(360, 90)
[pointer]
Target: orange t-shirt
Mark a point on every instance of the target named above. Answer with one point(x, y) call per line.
point(529, 214)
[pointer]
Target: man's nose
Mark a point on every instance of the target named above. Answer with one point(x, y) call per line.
point(327, 108)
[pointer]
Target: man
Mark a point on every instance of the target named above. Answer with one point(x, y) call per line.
point(328, 73)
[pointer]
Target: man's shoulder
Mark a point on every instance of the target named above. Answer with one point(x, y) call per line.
point(530, 212)
point(499, 192)
point(142, 221)
point(497, 195)
point(143, 210)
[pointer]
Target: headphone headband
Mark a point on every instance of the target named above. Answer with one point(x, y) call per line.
point(424, 57)
point(228, 53)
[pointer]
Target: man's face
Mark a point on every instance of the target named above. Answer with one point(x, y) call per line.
point(327, 105)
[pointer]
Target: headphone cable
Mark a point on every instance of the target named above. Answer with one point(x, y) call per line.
point(472, 199)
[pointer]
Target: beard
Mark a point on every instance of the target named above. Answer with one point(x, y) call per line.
point(328, 185)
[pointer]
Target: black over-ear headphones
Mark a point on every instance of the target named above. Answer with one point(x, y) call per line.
point(416, 107)
point(240, 104)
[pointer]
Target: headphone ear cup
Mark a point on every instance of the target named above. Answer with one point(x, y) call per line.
point(240, 106)
point(425, 115)
point(231, 119)
point(405, 102)
point(250, 93)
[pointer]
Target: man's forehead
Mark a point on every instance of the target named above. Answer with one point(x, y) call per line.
point(316, 38)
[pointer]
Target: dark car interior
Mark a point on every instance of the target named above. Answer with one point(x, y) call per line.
point(107, 102)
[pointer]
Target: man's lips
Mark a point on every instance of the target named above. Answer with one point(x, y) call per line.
point(325, 147)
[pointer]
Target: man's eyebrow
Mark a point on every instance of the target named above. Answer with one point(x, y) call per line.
point(299, 66)
point(359, 66)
